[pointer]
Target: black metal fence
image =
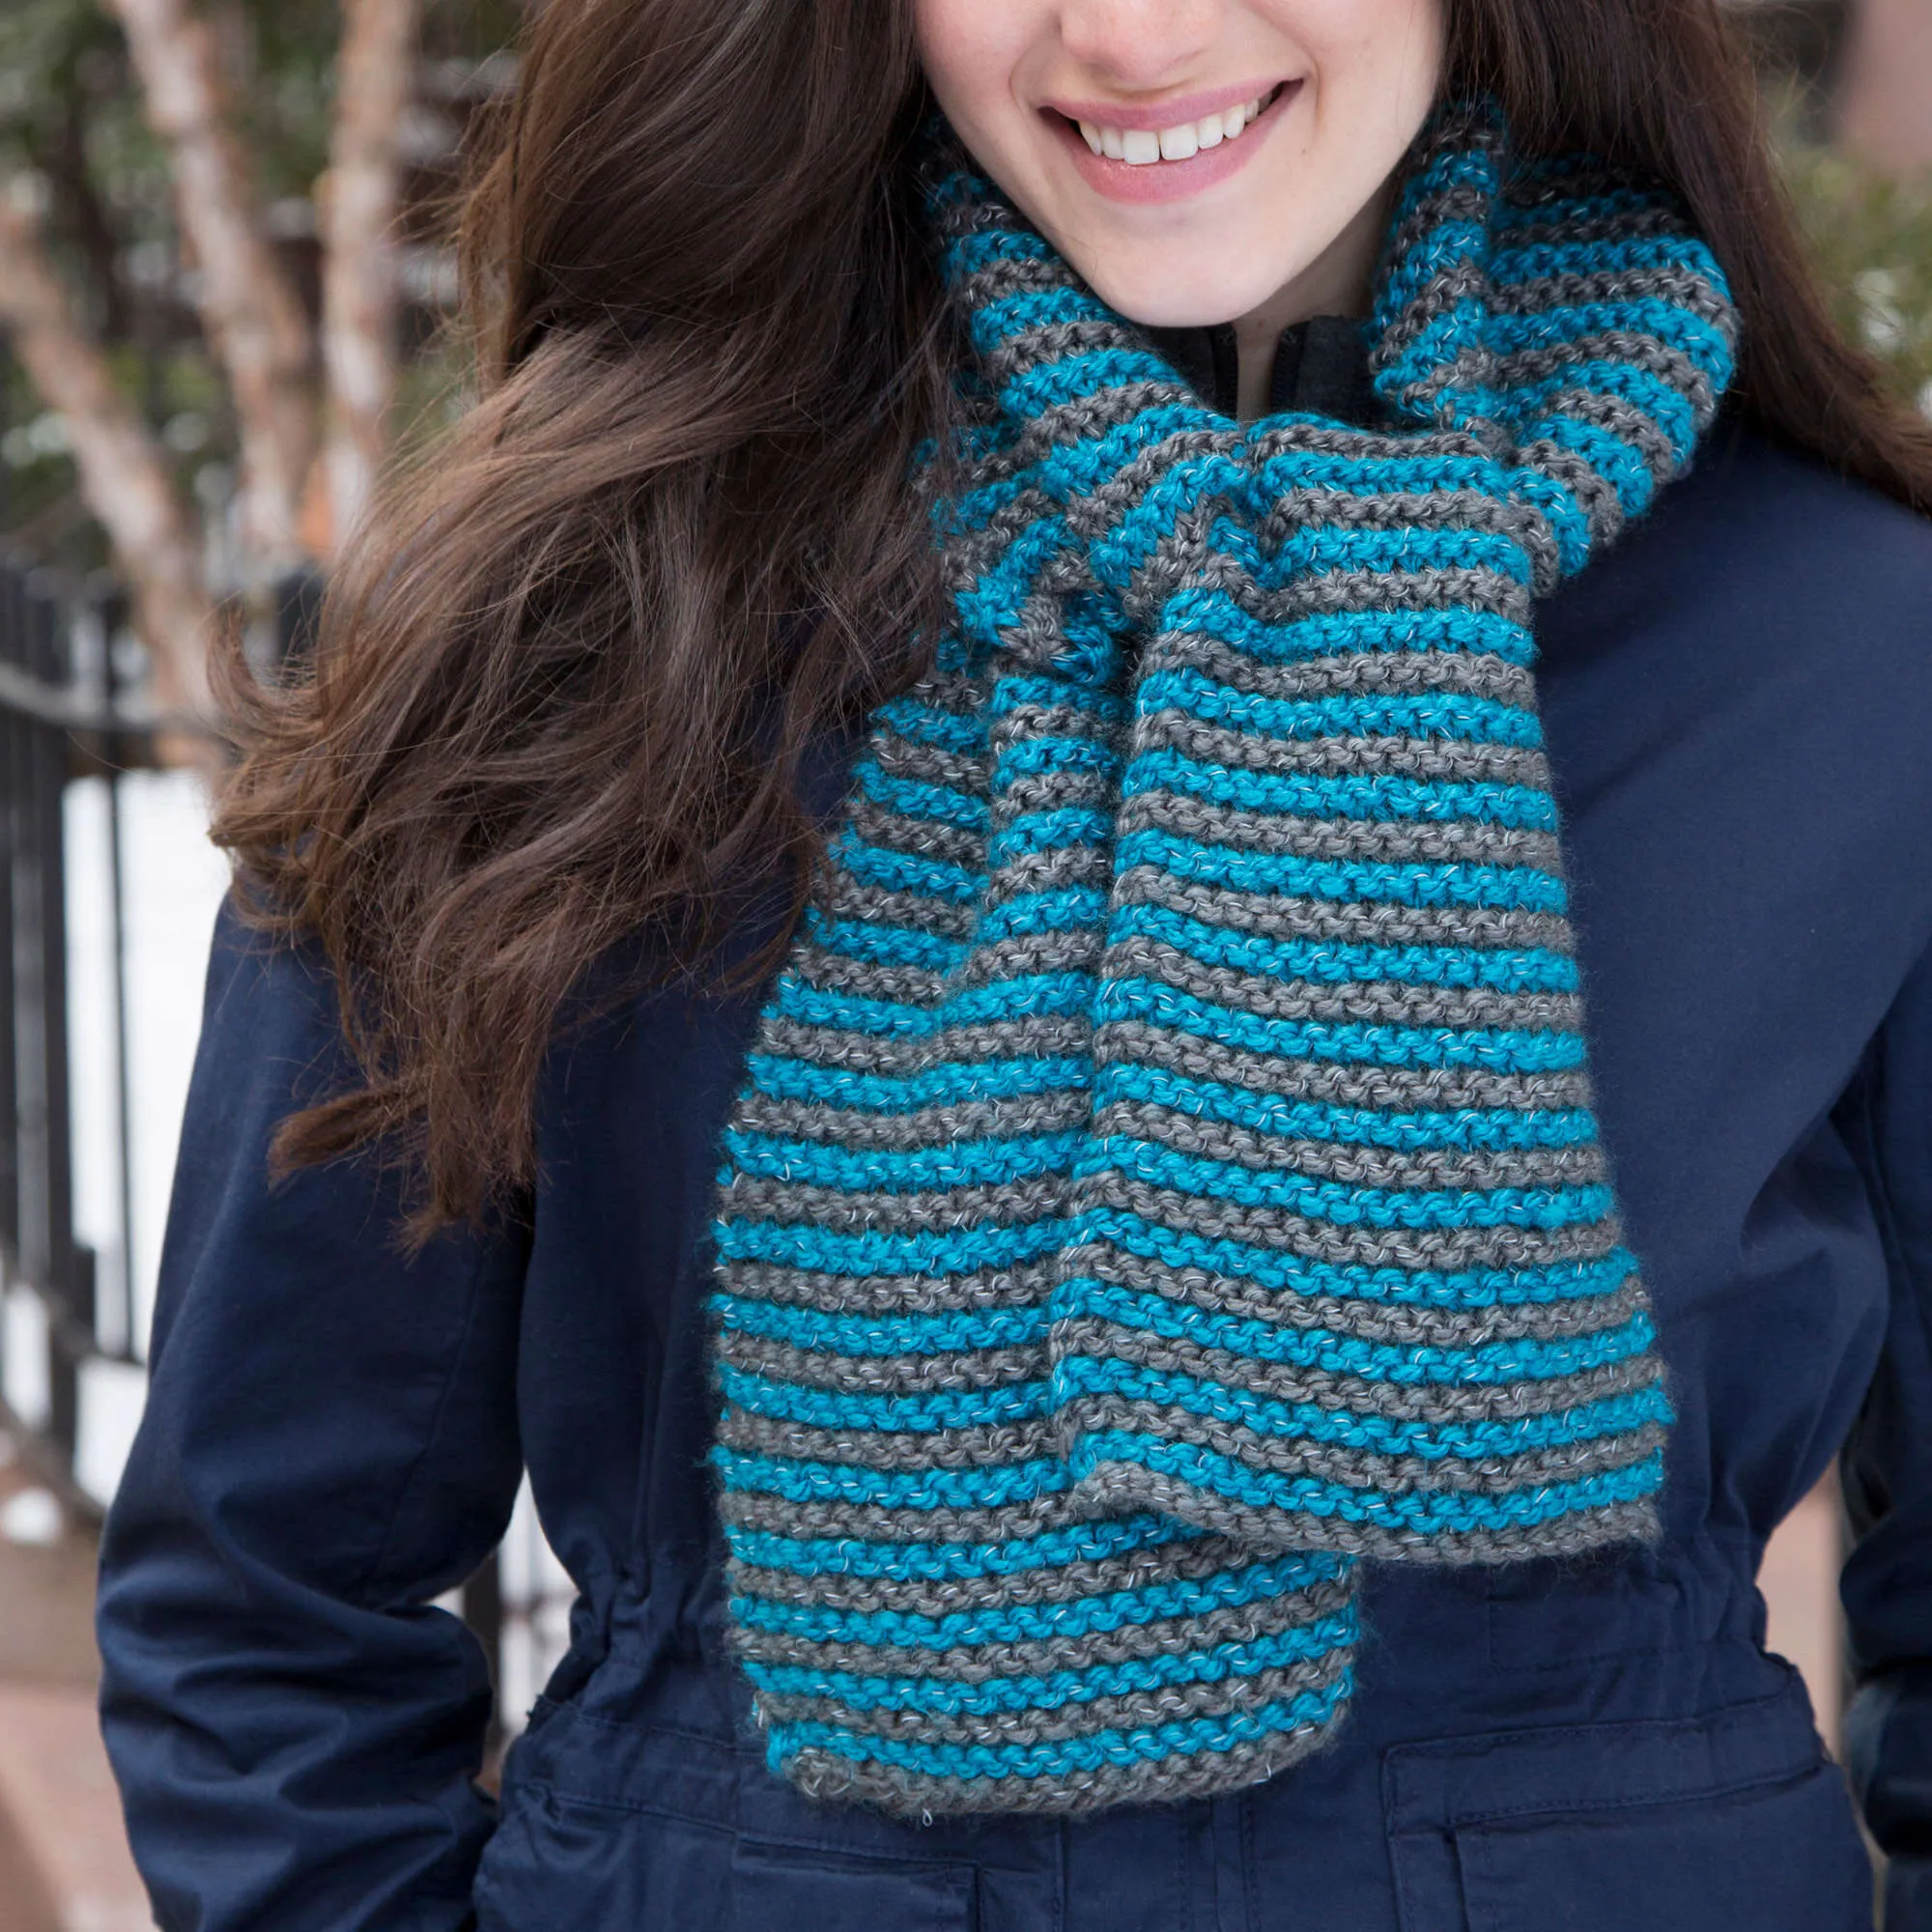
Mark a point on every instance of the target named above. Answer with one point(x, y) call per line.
point(60, 720)
point(65, 718)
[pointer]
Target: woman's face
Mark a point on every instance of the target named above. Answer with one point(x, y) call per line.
point(1244, 146)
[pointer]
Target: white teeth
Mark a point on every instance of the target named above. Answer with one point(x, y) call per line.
point(1139, 146)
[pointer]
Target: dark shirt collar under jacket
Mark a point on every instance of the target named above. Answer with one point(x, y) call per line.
point(1321, 368)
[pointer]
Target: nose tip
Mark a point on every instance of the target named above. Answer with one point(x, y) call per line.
point(1138, 45)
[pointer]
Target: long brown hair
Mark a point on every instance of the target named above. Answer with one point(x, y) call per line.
point(563, 686)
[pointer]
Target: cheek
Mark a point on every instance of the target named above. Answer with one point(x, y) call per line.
point(970, 50)
point(1385, 55)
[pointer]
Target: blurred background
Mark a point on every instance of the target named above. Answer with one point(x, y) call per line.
point(224, 281)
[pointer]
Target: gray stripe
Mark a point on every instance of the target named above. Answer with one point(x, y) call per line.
point(1356, 921)
point(890, 1294)
point(1211, 1218)
point(981, 1663)
point(1351, 1468)
point(1342, 1394)
point(1339, 590)
point(953, 1373)
point(1047, 1037)
point(1401, 1090)
point(1478, 673)
point(878, 1523)
point(1344, 756)
point(1459, 842)
point(1220, 823)
point(931, 764)
point(1202, 1698)
point(824, 1775)
point(1196, 1560)
point(897, 831)
point(1353, 1162)
point(847, 899)
point(1400, 1323)
point(1378, 1003)
point(1132, 1486)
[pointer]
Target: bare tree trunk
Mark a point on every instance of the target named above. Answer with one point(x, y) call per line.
point(256, 325)
point(1887, 100)
point(124, 476)
point(358, 301)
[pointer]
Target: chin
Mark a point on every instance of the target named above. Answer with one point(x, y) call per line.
point(1160, 291)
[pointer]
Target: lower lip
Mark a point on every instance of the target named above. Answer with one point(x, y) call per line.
point(1170, 181)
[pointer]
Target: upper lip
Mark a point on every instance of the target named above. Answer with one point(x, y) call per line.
point(1156, 115)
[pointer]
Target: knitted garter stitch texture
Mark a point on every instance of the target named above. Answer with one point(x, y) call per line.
point(1166, 1174)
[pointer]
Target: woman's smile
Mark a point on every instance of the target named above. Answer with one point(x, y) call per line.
point(1164, 149)
point(1196, 161)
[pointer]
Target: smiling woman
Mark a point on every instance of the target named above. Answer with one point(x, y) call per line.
point(1109, 911)
point(1198, 163)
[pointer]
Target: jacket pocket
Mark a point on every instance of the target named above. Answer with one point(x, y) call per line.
point(1732, 1822)
point(779, 1890)
point(565, 1864)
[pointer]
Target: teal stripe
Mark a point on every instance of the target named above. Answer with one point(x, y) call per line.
point(1056, 1689)
point(1216, 615)
point(1333, 963)
point(980, 1163)
point(1447, 714)
point(784, 1078)
point(886, 1415)
point(904, 871)
point(1299, 795)
point(809, 1482)
point(1409, 1364)
point(1339, 1202)
point(861, 1335)
point(1315, 547)
point(1052, 1550)
point(1090, 1753)
point(1076, 1376)
point(1028, 995)
point(1246, 1581)
point(1499, 1049)
point(1425, 1512)
point(917, 798)
point(1461, 1289)
point(1322, 1121)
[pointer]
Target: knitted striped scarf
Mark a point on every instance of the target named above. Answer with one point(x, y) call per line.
point(1166, 1175)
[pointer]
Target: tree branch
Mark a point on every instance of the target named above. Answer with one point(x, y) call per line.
point(254, 319)
point(124, 476)
point(359, 292)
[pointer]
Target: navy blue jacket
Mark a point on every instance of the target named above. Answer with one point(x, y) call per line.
point(1738, 705)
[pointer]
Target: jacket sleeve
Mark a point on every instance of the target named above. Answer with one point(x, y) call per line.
point(329, 1442)
point(1888, 1469)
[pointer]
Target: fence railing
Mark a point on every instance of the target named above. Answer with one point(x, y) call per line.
point(59, 722)
point(73, 1310)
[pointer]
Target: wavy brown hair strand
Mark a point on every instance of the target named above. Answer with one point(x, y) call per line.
point(565, 681)
point(561, 691)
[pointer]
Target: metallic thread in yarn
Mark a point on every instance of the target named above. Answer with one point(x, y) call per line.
point(1166, 1174)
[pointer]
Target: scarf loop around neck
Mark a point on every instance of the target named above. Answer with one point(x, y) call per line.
point(1166, 1174)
